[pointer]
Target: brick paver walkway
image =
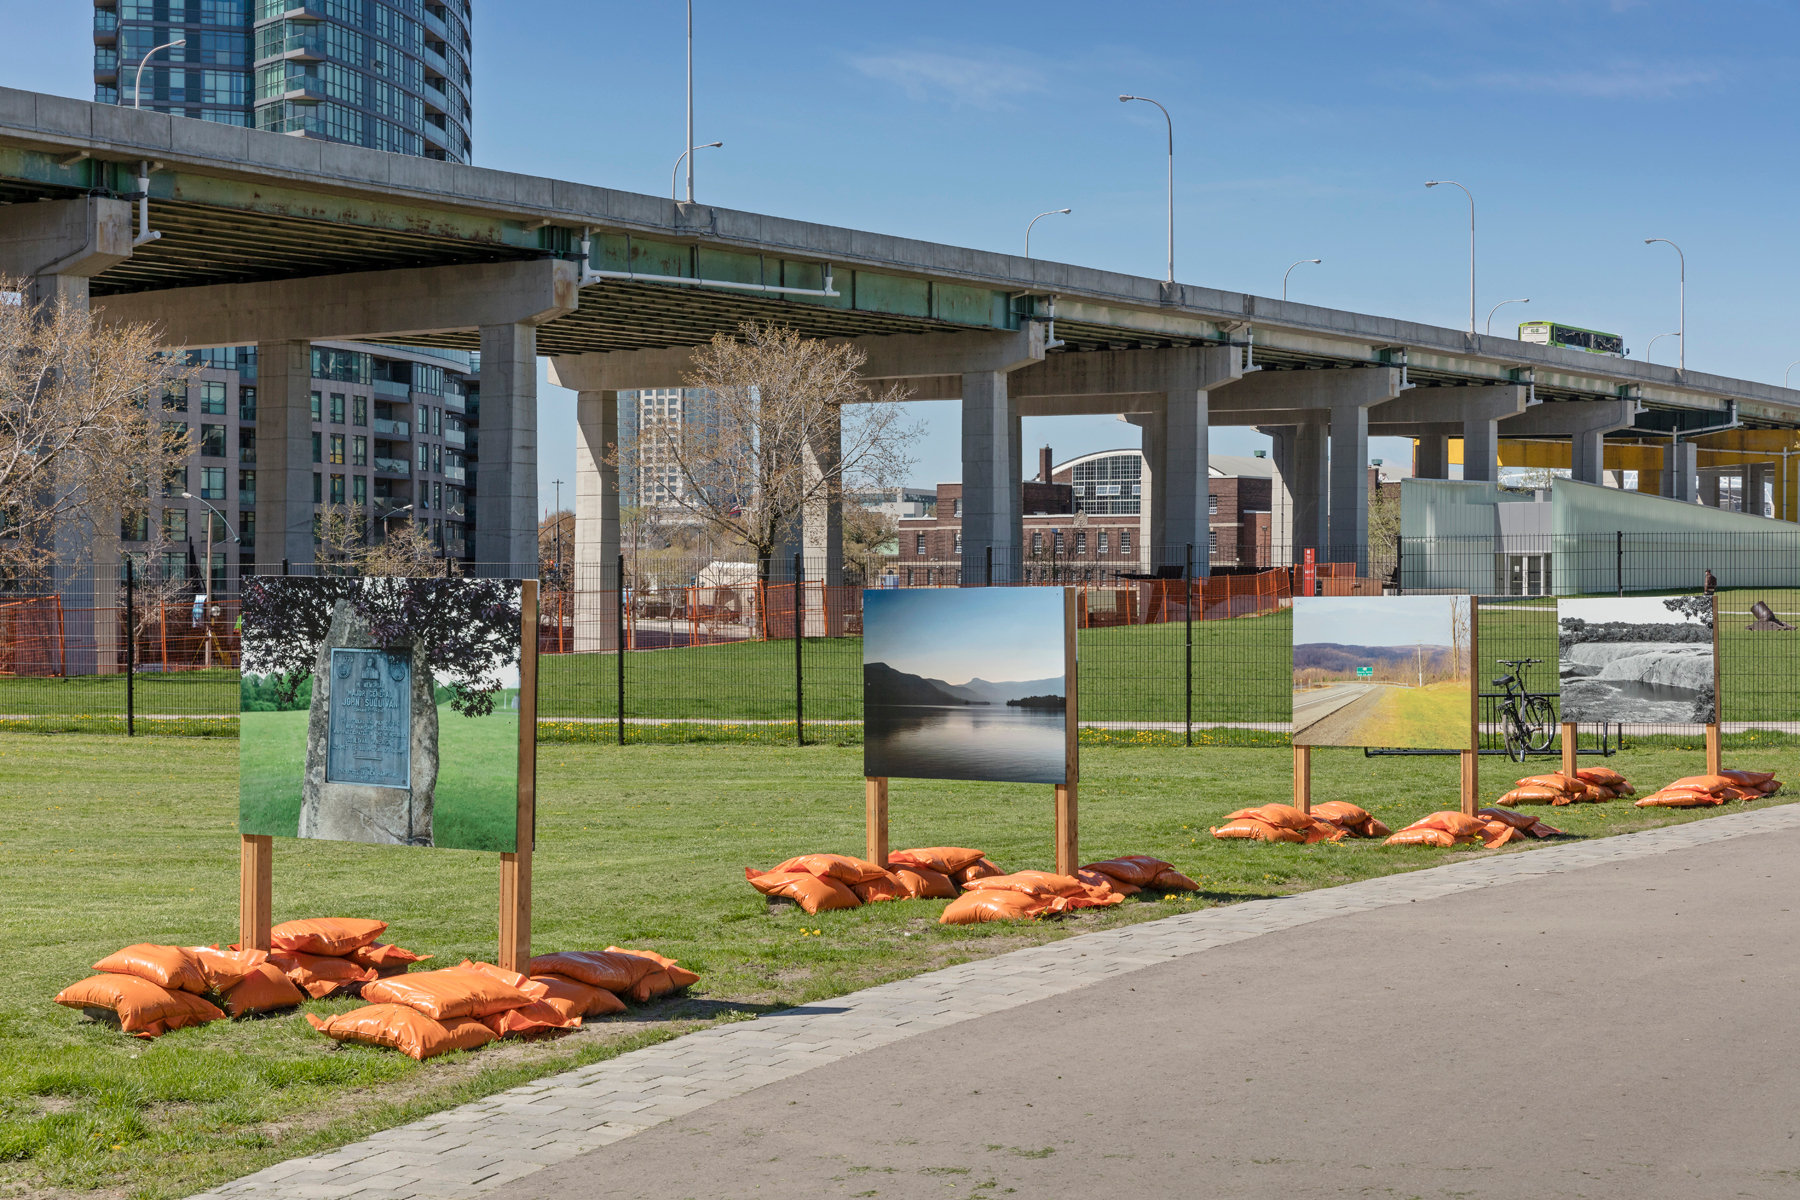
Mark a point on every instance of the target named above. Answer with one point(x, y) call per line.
point(481, 1146)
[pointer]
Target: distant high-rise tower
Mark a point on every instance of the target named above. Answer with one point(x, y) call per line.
point(387, 74)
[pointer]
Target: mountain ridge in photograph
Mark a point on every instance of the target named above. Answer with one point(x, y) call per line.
point(1336, 657)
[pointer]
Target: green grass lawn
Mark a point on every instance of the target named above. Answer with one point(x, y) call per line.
point(108, 842)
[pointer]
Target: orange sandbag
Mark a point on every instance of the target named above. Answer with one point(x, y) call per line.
point(1136, 869)
point(1455, 824)
point(540, 1016)
point(1679, 798)
point(945, 860)
point(405, 1029)
point(223, 969)
point(1044, 885)
point(1751, 777)
point(1497, 833)
point(443, 995)
point(1249, 827)
point(1556, 782)
point(1523, 822)
point(264, 989)
point(1422, 837)
point(143, 1009)
point(611, 970)
point(510, 978)
point(169, 967)
point(1172, 880)
point(1096, 879)
point(1703, 783)
point(1282, 816)
point(679, 975)
point(923, 883)
point(577, 998)
point(996, 904)
point(981, 868)
point(832, 866)
point(1533, 795)
point(1345, 815)
point(1604, 776)
point(813, 893)
point(656, 983)
point(319, 975)
point(888, 887)
point(327, 935)
point(385, 959)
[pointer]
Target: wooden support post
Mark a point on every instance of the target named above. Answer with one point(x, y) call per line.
point(1303, 778)
point(256, 888)
point(1471, 758)
point(1471, 781)
point(1715, 751)
point(515, 868)
point(1068, 831)
point(875, 818)
point(1568, 749)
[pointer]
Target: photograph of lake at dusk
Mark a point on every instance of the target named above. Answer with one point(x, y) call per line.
point(965, 683)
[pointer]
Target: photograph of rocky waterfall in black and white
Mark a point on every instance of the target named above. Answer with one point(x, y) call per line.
point(1640, 660)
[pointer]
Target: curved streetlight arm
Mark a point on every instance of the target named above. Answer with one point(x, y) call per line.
point(1497, 308)
point(1052, 213)
point(1290, 271)
point(144, 233)
point(1659, 337)
point(1471, 195)
point(675, 175)
point(137, 87)
point(1789, 371)
point(235, 540)
point(1171, 121)
point(1682, 366)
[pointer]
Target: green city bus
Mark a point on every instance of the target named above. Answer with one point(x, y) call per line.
point(1571, 337)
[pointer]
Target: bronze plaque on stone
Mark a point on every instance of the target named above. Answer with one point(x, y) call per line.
point(370, 722)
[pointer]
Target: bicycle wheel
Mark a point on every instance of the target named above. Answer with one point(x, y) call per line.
point(1514, 732)
point(1539, 721)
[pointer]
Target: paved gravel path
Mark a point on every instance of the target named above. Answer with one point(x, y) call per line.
point(1602, 1018)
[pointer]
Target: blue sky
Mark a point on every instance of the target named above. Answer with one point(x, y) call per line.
point(1374, 620)
point(1303, 130)
point(1002, 635)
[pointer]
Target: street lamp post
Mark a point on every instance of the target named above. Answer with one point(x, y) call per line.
point(1171, 121)
point(206, 608)
point(1789, 371)
point(1471, 195)
point(1659, 337)
point(1497, 308)
point(1290, 271)
point(144, 233)
point(1682, 366)
point(137, 87)
point(690, 100)
point(675, 175)
point(1055, 212)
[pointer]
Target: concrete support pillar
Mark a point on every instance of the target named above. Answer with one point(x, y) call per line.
point(1298, 495)
point(1587, 456)
point(1756, 477)
point(284, 465)
point(1432, 458)
point(991, 473)
point(1349, 517)
point(1681, 465)
point(1709, 489)
point(596, 556)
point(506, 475)
point(1153, 492)
point(1481, 446)
point(57, 245)
point(1185, 485)
point(818, 536)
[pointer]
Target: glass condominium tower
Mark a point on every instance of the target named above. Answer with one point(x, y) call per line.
point(386, 74)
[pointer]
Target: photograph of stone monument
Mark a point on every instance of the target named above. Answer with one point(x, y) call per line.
point(381, 710)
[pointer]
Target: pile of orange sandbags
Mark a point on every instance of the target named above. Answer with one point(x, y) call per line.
point(1025, 894)
point(1134, 873)
point(1359, 822)
point(1697, 790)
point(1280, 823)
point(1589, 785)
point(1492, 828)
point(151, 989)
point(336, 955)
point(822, 882)
point(1520, 823)
point(636, 975)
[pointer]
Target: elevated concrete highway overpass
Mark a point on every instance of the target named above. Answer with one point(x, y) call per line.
point(279, 241)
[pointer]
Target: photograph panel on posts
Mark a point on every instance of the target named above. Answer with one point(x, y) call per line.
point(966, 683)
point(1640, 660)
point(1383, 671)
point(382, 710)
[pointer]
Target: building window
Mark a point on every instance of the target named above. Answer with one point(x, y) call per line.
point(1124, 541)
point(359, 410)
point(1059, 542)
point(437, 422)
point(1037, 541)
point(175, 398)
point(318, 451)
point(424, 419)
point(359, 451)
point(316, 399)
point(212, 398)
point(424, 458)
point(317, 491)
point(437, 495)
point(337, 489)
point(337, 408)
point(919, 549)
point(246, 445)
point(959, 541)
point(135, 528)
point(337, 449)
point(175, 523)
point(175, 430)
point(212, 483)
point(1103, 541)
point(912, 577)
point(1081, 541)
point(359, 489)
point(174, 565)
point(1212, 505)
point(1212, 542)
point(437, 459)
point(246, 487)
point(212, 441)
point(957, 506)
point(246, 529)
point(246, 404)
point(176, 482)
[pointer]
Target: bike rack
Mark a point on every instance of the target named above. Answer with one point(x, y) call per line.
point(1606, 750)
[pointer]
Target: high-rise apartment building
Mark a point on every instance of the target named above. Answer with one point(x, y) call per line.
point(394, 427)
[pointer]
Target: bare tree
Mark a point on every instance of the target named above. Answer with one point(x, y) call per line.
point(556, 546)
point(786, 426)
point(83, 438)
point(403, 549)
point(869, 541)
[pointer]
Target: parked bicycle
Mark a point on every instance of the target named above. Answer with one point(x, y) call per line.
point(1528, 719)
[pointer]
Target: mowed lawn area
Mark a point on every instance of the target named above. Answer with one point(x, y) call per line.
point(108, 842)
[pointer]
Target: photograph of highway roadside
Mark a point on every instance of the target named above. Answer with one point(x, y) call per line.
point(1385, 671)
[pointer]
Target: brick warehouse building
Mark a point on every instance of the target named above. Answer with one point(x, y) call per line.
point(1089, 516)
